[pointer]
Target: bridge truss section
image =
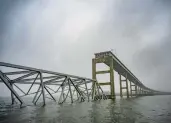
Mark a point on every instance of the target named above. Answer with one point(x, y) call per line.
point(42, 85)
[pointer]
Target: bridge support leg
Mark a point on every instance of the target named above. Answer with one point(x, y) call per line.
point(93, 77)
point(112, 79)
point(136, 94)
point(93, 90)
point(110, 72)
point(127, 90)
point(120, 81)
point(121, 86)
point(133, 89)
point(137, 90)
point(130, 89)
point(141, 92)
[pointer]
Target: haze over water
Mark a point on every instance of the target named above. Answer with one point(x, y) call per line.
point(148, 109)
point(63, 37)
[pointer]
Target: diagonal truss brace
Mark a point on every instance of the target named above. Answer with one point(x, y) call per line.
point(6, 82)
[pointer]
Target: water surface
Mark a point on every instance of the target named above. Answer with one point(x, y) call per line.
point(149, 109)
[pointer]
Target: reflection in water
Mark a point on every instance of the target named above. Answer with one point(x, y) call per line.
point(152, 109)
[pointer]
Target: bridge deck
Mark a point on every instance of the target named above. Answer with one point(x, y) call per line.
point(121, 68)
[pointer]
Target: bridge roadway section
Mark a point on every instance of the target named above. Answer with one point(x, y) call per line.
point(69, 87)
point(115, 64)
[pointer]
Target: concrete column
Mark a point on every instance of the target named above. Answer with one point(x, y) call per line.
point(112, 88)
point(130, 89)
point(93, 77)
point(127, 90)
point(120, 81)
point(136, 94)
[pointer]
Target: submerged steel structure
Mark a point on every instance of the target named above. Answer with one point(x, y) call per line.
point(67, 86)
point(60, 87)
point(136, 87)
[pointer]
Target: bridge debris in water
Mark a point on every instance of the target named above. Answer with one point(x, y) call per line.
point(48, 83)
point(70, 87)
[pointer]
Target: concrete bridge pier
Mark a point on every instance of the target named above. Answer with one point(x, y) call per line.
point(130, 88)
point(110, 71)
point(125, 80)
point(136, 88)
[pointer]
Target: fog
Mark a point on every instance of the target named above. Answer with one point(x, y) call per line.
point(63, 36)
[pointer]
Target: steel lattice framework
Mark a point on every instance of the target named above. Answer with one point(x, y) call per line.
point(61, 87)
point(67, 86)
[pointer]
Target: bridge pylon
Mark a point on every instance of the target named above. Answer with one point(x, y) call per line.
point(109, 61)
point(124, 88)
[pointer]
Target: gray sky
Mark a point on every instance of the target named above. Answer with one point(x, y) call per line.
point(64, 35)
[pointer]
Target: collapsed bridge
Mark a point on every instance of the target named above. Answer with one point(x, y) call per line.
point(66, 86)
point(60, 87)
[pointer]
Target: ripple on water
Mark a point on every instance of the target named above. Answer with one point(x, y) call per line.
point(104, 111)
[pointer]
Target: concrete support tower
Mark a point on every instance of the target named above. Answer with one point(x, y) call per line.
point(106, 60)
point(123, 88)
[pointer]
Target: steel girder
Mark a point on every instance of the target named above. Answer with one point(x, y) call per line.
point(67, 86)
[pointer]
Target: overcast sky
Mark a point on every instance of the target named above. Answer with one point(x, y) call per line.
point(63, 36)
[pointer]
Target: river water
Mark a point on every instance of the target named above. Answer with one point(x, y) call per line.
point(148, 109)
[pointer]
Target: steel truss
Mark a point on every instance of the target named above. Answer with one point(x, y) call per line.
point(50, 84)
